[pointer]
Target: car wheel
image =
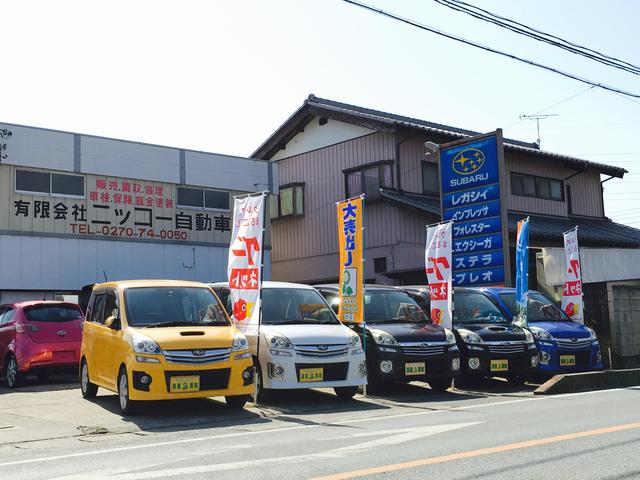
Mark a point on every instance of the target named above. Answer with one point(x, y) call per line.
point(43, 375)
point(345, 393)
point(88, 389)
point(263, 394)
point(440, 384)
point(14, 376)
point(236, 402)
point(127, 406)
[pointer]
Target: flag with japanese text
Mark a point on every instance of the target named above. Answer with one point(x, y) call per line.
point(522, 272)
point(572, 303)
point(439, 273)
point(245, 260)
point(350, 241)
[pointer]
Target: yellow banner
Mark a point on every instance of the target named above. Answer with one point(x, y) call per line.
point(350, 240)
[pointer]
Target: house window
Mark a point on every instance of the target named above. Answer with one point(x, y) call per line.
point(46, 183)
point(369, 180)
point(289, 202)
point(430, 180)
point(380, 265)
point(539, 187)
point(201, 198)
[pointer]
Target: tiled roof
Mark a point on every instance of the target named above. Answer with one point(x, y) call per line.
point(429, 205)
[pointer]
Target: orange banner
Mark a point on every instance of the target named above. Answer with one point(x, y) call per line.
point(350, 242)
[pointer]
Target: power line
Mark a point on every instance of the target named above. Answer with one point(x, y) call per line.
point(492, 50)
point(538, 35)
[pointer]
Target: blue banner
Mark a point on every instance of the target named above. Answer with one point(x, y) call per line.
point(522, 272)
point(477, 227)
point(473, 212)
point(479, 277)
point(468, 197)
point(478, 260)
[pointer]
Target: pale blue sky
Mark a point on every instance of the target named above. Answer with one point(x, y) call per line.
point(222, 75)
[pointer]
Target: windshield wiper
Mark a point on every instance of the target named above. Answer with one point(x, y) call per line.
point(173, 324)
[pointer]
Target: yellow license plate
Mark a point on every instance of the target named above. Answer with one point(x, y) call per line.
point(187, 383)
point(499, 365)
point(311, 374)
point(415, 368)
point(567, 360)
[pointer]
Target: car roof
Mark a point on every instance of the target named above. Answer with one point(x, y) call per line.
point(31, 303)
point(148, 283)
point(269, 284)
point(367, 286)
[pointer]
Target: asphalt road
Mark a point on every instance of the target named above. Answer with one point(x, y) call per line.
point(495, 431)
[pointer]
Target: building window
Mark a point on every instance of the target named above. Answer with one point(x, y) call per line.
point(380, 265)
point(539, 187)
point(46, 183)
point(430, 180)
point(369, 180)
point(289, 202)
point(201, 198)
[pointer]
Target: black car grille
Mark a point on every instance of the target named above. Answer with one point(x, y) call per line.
point(507, 348)
point(331, 371)
point(582, 358)
point(424, 349)
point(209, 379)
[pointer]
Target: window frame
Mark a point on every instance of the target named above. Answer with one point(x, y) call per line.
point(436, 193)
point(361, 168)
point(50, 193)
point(278, 202)
point(204, 197)
point(537, 179)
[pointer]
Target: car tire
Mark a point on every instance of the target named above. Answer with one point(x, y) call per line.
point(345, 393)
point(15, 378)
point(440, 384)
point(88, 389)
point(237, 402)
point(43, 375)
point(127, 406)
point(263, 394)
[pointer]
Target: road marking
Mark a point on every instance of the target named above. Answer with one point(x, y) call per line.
point(297, 427)
point(477, 453)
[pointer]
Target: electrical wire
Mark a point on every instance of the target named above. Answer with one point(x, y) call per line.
point(492, 50)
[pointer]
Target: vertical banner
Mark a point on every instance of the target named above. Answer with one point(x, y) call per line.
point(245, 260)
point(350, 242)
point(439, 272)
point(572, 303)
point(522, 272)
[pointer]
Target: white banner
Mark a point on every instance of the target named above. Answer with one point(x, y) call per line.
point(245, 260)
point(439, 273)
point(572, 292)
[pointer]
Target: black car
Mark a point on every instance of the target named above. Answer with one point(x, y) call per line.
point(402, 344)
point(490, 345)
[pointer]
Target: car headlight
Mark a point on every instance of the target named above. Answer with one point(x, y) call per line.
point(592, 334)
point(383, 338)
point(143, 344)
point(541, 334)
point(449, 336)
point(354, 340)
point(469, 337)
point(528, 336)
point(278, 341)
point(239, 342)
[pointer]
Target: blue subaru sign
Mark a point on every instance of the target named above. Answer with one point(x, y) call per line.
point(470, 181)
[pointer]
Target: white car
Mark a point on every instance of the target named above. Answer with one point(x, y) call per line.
point(302, 342)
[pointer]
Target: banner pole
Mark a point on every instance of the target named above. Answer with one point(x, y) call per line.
point(264, 217)
point(364, 318)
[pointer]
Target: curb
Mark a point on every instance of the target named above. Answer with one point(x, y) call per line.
point(589, 381)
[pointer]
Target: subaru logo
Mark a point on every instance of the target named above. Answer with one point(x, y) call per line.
point(574, 340)
point(197, 353)
point(425, 345)
point(62, 333)
point(323, 348)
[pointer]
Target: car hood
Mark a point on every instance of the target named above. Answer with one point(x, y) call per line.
point(185, 338)
point(310, 334)
point(411, 332)
point(563, 329)
point(491, 332)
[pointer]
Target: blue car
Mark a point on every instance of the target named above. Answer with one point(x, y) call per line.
point(564, 346)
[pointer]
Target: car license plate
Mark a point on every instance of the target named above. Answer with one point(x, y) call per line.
point(415, 368)
point(567, 360)
point(311, 374)
point(499, 365)
point(183, 384)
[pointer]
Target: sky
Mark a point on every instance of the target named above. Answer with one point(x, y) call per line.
point(221, 76)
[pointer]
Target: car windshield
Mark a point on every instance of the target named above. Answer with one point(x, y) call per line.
point(539, 308)
point(474, 307)
point(289, 306)
point(173, 306)
point(391, 306)
point(52, 313)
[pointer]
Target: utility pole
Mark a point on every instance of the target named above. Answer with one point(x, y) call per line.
point(537, 118)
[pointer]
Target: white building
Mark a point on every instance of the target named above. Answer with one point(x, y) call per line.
point(76, 209)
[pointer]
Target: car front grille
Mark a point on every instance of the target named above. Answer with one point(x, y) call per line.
point(331, 372)
point(508, 348)
point(422, 349)
point(197, 357)
point(217, 379)
point(321, 350)
point(579, 344)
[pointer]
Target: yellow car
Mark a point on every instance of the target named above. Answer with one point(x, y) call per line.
point(161, 340)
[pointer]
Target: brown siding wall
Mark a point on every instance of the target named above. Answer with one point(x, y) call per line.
point(586, 194)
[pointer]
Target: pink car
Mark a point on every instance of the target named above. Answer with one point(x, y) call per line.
point(36, 337)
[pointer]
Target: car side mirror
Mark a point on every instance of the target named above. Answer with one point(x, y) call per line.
point(112, 322)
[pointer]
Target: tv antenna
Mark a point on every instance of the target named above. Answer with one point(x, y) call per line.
point(537, 118)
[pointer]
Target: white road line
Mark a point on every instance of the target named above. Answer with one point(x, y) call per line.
point(297, 427)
